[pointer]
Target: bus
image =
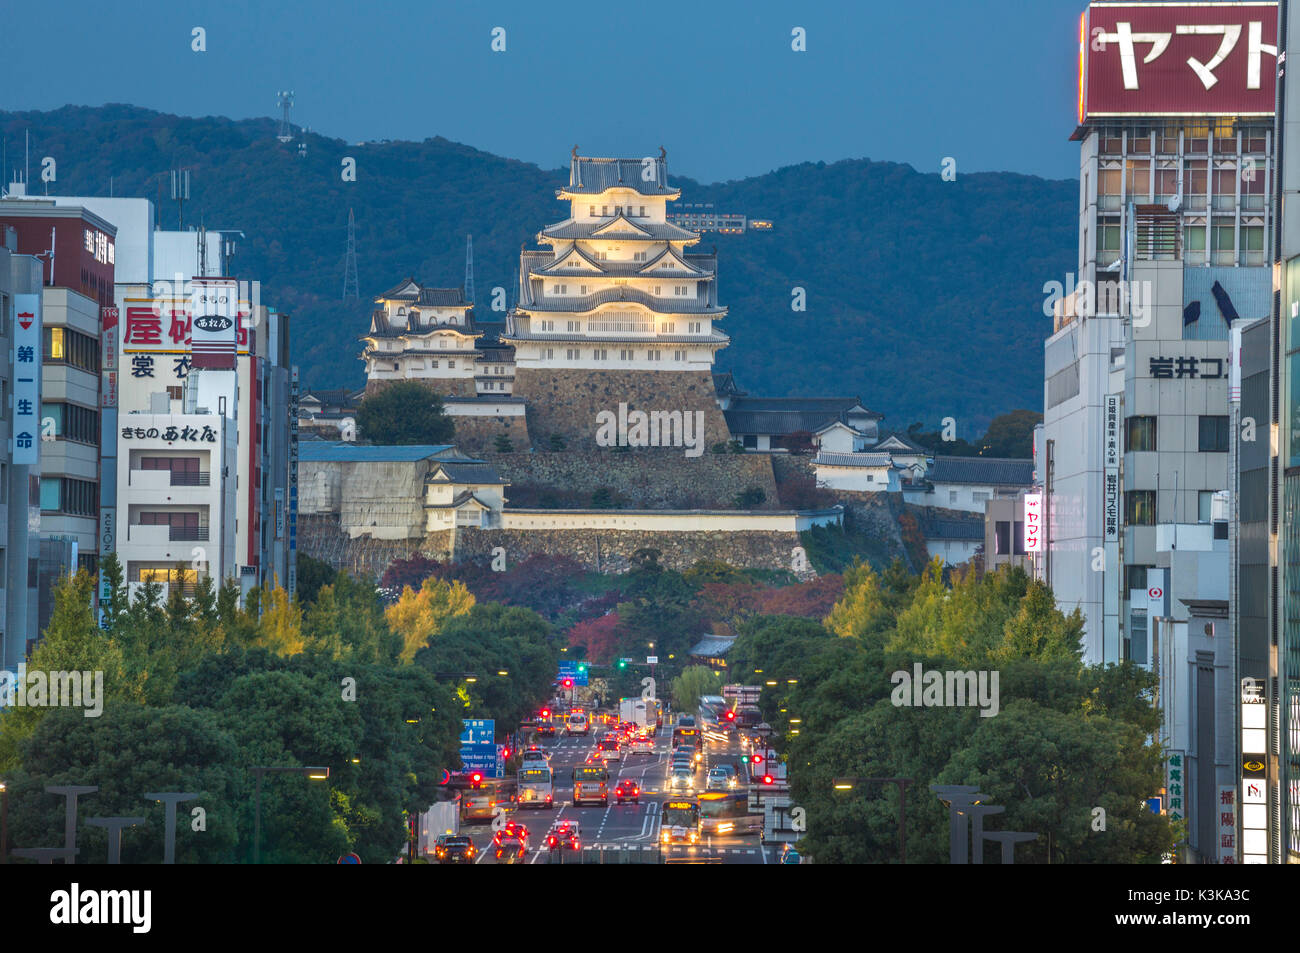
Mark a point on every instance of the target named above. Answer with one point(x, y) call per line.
point(535, 787)
point(492, 796)
point(590, 783)
point(726, 813)
point(691, 736)
point(679, 822)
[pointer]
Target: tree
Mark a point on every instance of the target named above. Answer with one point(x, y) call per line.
point(749, 497)
point(347, 622)
point(556, 443)
point(1011, 434)
point(312, 575)
point(502, 444)
point(411, 571)
point(695, 680)
point(597, 637)
point(280, 627)
point(419, 616)
point(404, 413)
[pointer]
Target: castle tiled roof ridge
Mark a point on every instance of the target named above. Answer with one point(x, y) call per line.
point(591, 175)
point(1001, 471)
point(713, 338)
point(866, 459)
point(570, 230)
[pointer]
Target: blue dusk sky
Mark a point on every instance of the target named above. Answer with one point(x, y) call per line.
point(991, 84)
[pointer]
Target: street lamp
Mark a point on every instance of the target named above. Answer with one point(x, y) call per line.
point(846, 784)
point(260, 771)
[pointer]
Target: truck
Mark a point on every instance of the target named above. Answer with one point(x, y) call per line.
point(638, 711)
point(442, 817)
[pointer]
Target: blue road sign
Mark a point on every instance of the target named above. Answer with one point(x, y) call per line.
point(574, 670)
point(478, 749)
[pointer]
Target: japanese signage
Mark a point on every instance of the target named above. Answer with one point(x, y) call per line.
point(185, 433)
point(1196, 368)
point(157, 332)
point(1177, 59)
point(1174, 781)
point(1033, 522)
point(215, 310)
point(99, 245)
point(25, 420)
point(1111, 451)
point(1227, 810)
point(1254, 797)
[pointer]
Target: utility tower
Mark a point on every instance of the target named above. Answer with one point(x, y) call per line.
point(469, 268)
point(285, 99)
point(350, 288)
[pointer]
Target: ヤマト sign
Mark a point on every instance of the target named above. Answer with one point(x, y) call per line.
point(1177, 59)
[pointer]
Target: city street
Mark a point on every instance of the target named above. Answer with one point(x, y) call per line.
point(627, 826)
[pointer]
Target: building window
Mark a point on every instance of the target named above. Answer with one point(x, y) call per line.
point(658, 290)
point(652, 355)
point(679, 355)
point(1196, 184)
point(952, 496)
point(571, 354)
point(980, 496)
point(695, 327)
point(1213, 435)
point(625, 355)
point(1140, 434)
point(1140, 507)
point(451, 364)
point(1223, 244)
point(591, 211)
point(1204, 502)
point(638, 256)
point(642, 212)
point(549, 352)
point(1138, 181)
point(1194, 244)
point(1018, 539)
point(600, 354)
point(72, 422)
point(175, 393)
point(1135, 577)
point(1002, 538)
point(1107, 243)
point(66, 346)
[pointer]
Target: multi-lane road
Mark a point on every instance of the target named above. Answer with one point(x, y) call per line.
point(627, 826)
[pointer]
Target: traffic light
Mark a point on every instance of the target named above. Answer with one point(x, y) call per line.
point(475, 779)
point(568, 683)
point(622, 664)
point(744, 759)
point(731, 716)
point(546, 713)
point(582, 668)
point(757, 759)
point(767, 779)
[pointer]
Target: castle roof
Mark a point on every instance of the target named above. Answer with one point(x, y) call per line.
point(590, 175)
point(532, 301)
point(621, 228)
point(998, 471)
point(411, 290)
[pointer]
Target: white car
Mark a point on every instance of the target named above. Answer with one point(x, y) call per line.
point(682, 779)
point(718, 780)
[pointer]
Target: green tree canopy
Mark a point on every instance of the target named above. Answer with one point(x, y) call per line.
point(404, 413)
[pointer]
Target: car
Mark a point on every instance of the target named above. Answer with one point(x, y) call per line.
point(643, 744)
point(682, 779)
point(682, 763)
point(565, 835)
point(717, 780)
point(610, 750)
point(627, 790)
point(454, 849)
point(733, 779)
point(534, 756)
point(513, 832)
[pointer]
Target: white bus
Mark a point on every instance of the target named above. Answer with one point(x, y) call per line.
point(535, 787)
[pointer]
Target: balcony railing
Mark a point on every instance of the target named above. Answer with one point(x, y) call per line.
point(191, 478)
point(188, 534)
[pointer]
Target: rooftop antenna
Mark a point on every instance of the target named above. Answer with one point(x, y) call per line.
point(180, 192)
point(202, 235)
point(285, 99)
point(351, 291)
point(469, 268)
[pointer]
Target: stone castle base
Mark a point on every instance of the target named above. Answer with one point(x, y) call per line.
point(476, 436)
point(567, 401)
point(450, 387)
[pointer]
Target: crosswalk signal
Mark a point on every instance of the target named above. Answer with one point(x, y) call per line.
point(622, 664)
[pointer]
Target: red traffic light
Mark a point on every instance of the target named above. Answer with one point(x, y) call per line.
point(731, 716)
point(475, 778)
point(546, 713)
point(767, 779)
point(757, 759)
point(568, 683)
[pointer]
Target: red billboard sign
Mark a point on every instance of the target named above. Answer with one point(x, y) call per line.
point(1177, 59)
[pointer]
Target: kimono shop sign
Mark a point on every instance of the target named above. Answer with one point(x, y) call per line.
point(162, 326)
point(186, 434)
